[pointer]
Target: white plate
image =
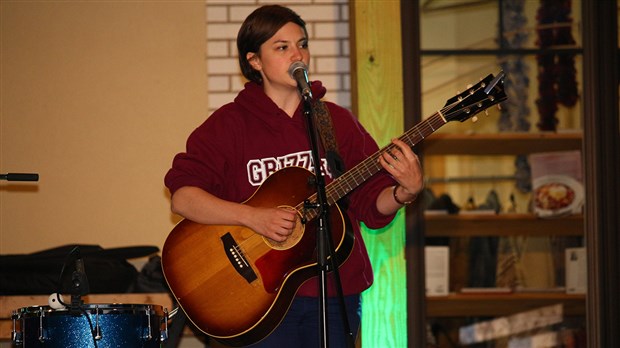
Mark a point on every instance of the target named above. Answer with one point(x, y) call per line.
point(556, 195)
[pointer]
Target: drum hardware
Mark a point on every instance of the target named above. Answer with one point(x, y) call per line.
point(97, 335)
point(116, 325)
point(150, 329)
point(174, 312)
point(164, 334)
point(42, 314)
point(16, 336)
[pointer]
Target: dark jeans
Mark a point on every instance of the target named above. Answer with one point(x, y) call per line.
point(300, 326)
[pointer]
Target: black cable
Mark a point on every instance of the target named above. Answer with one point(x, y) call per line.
point(62, 271)
point(90, 324)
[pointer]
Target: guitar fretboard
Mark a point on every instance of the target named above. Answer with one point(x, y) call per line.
point(357, 175)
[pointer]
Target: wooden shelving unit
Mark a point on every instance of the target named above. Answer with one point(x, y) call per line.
point(500, 144)
point(491, 305)
point(468, 225)
point(501, 225)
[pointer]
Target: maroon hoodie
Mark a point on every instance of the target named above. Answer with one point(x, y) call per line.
point(245, 141)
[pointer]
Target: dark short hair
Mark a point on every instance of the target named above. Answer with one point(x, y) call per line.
point(257, 28)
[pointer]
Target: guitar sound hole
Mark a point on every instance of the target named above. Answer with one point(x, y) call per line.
point(293, 239)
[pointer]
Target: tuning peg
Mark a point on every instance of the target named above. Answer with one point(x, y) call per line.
point(499, 106)
point(474, 119)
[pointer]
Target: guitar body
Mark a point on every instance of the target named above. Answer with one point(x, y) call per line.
point(231, 282)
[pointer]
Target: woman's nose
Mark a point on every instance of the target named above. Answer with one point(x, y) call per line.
point(297, 55)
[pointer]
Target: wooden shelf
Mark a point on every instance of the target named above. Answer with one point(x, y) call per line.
point(491, 305)
point(464, 225)
point(500, 144)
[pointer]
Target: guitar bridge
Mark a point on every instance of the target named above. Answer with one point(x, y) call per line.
point(237, 259)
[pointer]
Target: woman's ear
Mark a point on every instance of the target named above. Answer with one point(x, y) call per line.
point(253, 60)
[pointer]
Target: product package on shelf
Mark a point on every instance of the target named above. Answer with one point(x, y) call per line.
point(437, 270)
point(576, 271)
point(557, 183)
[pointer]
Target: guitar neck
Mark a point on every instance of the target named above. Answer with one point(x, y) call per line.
point(347, 182)
point(489, 91)
point(350, 180)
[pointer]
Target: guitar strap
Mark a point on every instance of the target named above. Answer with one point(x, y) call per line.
point(326, 132)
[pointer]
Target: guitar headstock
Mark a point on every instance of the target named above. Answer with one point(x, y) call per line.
point(488, 92)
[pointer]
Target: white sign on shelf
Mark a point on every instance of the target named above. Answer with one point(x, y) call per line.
point(437, 267)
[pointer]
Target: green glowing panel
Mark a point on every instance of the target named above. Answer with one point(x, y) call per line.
point(384, 305)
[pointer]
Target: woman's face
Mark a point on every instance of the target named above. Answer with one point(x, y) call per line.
point(286, 46)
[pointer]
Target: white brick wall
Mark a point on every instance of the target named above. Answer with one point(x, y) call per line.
point(327, 22)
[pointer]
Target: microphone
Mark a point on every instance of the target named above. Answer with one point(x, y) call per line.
point(19, 177)
point(79, 283)
point(299, 73)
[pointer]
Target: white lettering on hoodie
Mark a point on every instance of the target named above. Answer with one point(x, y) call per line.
point(260, 169)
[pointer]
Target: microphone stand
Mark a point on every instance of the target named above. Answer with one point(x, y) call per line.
point(323, 238)
point(19, 177)
point(322, 221)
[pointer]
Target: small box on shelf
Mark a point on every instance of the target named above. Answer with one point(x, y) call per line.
point(437, 270)
point(576, 271)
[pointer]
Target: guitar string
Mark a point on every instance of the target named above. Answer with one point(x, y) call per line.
point(339, 184)
point(342, 185)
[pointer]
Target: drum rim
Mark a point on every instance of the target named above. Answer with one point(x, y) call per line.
point(158, 309)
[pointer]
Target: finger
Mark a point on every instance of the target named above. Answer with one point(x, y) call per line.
point(387, 166)
point(287, 225)
point(278, 238)
point(288, 213)
point(283, 232)
point(391, 156)
point(404, 149)
point(385, 161)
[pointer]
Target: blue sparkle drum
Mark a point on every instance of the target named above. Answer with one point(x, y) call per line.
point(97, 325)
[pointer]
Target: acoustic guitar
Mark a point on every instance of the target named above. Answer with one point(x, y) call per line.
point(236, 285)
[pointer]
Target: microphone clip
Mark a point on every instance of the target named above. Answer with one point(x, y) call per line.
point(79, 286)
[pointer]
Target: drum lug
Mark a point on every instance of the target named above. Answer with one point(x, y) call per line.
point(97, 327)
point(149, 336)
point(164, 334)
point(41, 330)
point(16, 336)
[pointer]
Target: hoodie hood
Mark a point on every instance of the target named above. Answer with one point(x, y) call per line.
point(256, 103)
